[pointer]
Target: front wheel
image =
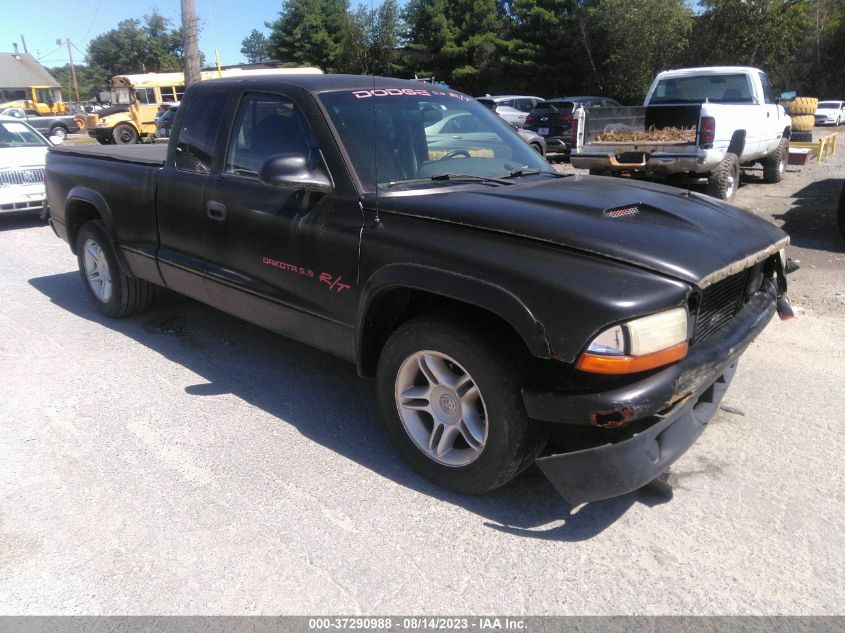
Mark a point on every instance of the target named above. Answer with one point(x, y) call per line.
point(113, 292)
point(775, 164)
point(450, 400)
point(125, 134)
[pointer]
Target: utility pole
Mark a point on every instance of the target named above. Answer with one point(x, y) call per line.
point(190, 46)
point(72, 67)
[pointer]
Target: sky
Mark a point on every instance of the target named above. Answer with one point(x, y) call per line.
point(223, 24)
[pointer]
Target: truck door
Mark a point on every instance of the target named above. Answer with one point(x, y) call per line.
point(281, 256)
point(774, 122)
point(181, 194)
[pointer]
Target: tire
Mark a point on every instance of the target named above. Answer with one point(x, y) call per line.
point(124, 134)
point(842, 212)
point(482, 425)
point(803, 123)
point(801, 137)
point(775, 164)
point(537, 148)
point(114, 293)
point(723, 181)
point(802, 105)
point(59, 131)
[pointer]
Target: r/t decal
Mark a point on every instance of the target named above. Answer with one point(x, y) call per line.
point(332, 283)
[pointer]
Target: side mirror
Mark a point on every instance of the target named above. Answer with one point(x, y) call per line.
point(291, 170)
point(57, 140)
point(787, 96)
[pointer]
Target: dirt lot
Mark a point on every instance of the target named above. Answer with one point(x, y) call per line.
point(184, 462)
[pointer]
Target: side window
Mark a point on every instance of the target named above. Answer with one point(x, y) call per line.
point(768, 92)
point(168, 94)
point(145, 95)
point(266, 125)
point(198, 132)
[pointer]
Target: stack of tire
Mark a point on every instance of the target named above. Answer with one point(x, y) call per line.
point(802, 109)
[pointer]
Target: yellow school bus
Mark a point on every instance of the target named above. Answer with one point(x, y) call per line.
point(135, 101)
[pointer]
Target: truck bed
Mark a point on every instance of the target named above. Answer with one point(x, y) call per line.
point(142, 153)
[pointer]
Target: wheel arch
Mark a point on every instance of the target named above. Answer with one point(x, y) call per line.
point(737, 144)
point(399, 292)
point(84, 205)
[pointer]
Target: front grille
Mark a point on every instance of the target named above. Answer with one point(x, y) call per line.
point(719, 303)
point(21, 177)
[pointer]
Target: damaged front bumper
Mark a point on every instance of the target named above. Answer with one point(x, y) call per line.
point(616, 469)
point(668, 410)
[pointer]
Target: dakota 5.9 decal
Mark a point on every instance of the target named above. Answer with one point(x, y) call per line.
point(335, 283)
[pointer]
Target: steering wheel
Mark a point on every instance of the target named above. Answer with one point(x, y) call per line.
point(455, 153)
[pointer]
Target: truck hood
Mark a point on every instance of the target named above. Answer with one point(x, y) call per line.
point(688, 236)
point(18, 157)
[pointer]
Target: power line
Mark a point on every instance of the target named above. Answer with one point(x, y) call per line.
point(94, 17)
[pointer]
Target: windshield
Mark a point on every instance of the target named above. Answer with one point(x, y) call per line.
point(17, 134)
point(122, 96)
point(405, 137)
point(701, 88)
point(550, 107)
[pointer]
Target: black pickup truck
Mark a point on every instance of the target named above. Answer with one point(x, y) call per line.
point(508, 313)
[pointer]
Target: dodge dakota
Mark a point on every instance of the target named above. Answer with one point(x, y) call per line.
point(508, 313)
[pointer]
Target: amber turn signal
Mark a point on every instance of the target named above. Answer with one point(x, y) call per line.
point(600, 364)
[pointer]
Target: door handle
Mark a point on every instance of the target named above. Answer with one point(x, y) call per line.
point(215, 210)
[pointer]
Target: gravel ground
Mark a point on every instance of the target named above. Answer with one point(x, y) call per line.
point(184, 462)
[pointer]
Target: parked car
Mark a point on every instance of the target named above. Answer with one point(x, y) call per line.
point(512, 108)
point(721, 117)
point(830, 113)
point(48, 124)
point(22, 154)
point(557, 119)
point(164, 120)
point(534, 140)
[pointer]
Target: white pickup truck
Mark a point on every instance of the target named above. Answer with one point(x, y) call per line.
point(732, 117)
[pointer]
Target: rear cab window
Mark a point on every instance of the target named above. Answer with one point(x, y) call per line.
point(198, 130)
point(727, 88)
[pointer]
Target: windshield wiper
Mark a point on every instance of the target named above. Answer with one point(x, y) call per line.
point(458, 177)
point(524, 171)
point(449, 178)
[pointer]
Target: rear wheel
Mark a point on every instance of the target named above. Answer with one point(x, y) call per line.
point(775, 164)
point(125, 134)
point(451, 402)
point(724, 180)
point(113, 292)
point(59, 131)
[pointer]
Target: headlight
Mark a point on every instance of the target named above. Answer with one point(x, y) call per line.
point(638, 345)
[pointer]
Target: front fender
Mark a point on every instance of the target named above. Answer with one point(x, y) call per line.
point(448, 284)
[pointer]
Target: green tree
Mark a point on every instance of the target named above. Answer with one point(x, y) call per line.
point(632, 40)
point(254, 47)
point(371, 40)
point(309, 33)
point(543, 52)
point(762, 33)
point(135, 46)
point(91, 80)
point(457, 41)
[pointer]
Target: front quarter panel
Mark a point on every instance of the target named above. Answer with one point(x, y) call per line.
point(556, 299)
